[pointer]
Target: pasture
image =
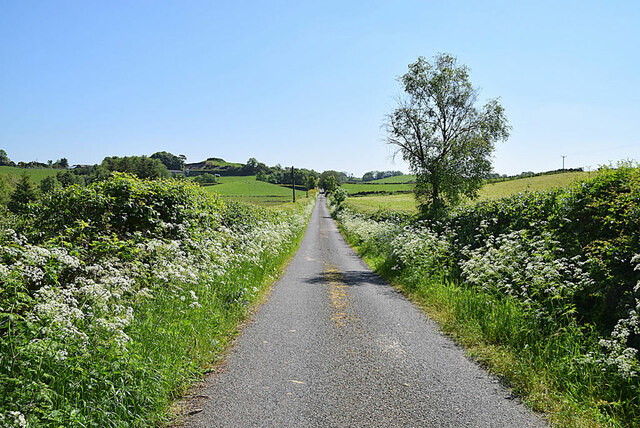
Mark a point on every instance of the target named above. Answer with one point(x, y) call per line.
point(532, 184)
point(248, 189)
point(36, 174)
point(374, 187)
point(371, 204)
point(406, 202)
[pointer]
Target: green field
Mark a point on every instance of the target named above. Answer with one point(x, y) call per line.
point(399, 202)
point(35, 174)
point(376, 187)
point(406, 201)
point(249, 189)
point(531, 184)
point(397, 179)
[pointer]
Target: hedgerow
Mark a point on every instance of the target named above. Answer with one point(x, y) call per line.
point(115, 295)
point(554, 276)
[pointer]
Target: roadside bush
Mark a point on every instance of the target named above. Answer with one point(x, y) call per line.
point(113, 296)
point(557, 267)
point(339, 195)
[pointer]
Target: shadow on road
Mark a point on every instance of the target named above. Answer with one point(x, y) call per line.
point(355, 279)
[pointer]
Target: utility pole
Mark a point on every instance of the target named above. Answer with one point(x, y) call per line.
point(563, 161)
point(293, 180)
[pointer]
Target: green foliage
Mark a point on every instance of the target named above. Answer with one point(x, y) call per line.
point(217, 166)
point(122, 206)
point(4, 159)
point(49, 184)
point(141, 166)
point(279, 175)
point(68, 178)
point(329, 181)
point(312, 182)
point(339, 195)
point(61, 163)
point(377, 188)
point(7, 185)
point(83, 175)
point(438, 130)
point(205, 178)
point(114, 296)
point(24, 193)
point(554, 277)
point(169, 160)
point(379, 175)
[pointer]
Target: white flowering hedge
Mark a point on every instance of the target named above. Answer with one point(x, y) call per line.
point(554, 275)
point(114, 295)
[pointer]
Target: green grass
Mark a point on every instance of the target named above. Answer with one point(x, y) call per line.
point(221, 162)
point(36, 175)
point(406, 202)
point(375, 186)
point(370, 204)
point(531, 184)
point(248, 189)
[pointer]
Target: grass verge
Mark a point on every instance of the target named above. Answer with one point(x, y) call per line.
point(219, 333)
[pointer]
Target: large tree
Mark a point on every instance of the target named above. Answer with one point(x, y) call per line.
point(4, 158)
point(329, 180)
point(440, 132)
point(169, 160)
point(141, 166)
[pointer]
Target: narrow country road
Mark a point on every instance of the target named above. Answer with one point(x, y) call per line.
point(336, 346)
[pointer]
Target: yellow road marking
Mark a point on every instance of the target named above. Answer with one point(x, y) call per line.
point(338, 296)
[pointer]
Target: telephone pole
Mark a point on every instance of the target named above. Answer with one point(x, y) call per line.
point(563, 161)
point(293, 180)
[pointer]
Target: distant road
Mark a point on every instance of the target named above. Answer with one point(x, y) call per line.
point(336, 346)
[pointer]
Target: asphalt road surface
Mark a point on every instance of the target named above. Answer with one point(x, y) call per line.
point(336, 346)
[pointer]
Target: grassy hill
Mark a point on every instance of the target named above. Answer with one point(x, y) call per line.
point(249, 189)
point(36, 175)
point(406, 202)
point(532, 184)
point(215, 166)
point(390, 185)
point(375, 187)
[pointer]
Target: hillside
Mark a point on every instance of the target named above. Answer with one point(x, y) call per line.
point(36, 174)
point(407, 178)
point(249, 189)
point(532, 184)
point(215, 166)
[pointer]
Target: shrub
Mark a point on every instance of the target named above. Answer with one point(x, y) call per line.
point(112, 296)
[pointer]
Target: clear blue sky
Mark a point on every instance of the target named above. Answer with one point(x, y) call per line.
point(308, 83)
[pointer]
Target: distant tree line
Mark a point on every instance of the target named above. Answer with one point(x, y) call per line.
point(379, 175)
point(6, 161)
point(158, 165)
point(280, 175)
